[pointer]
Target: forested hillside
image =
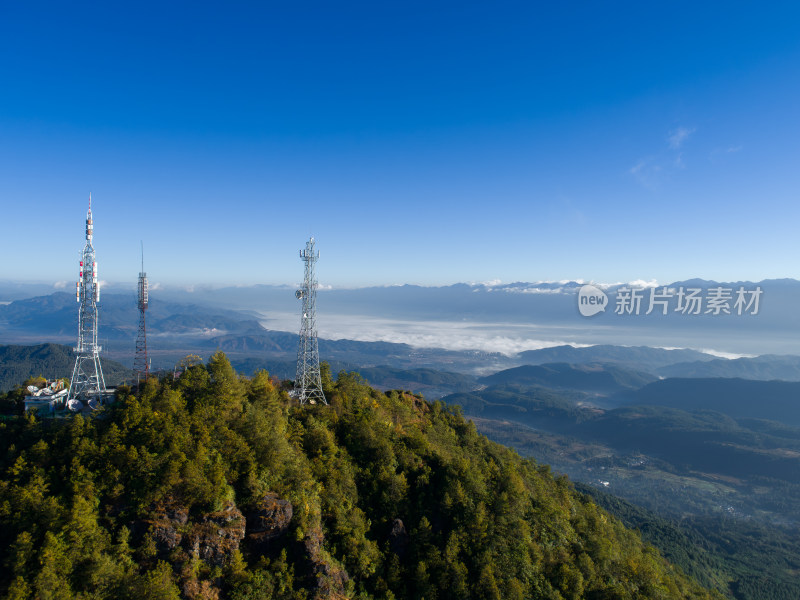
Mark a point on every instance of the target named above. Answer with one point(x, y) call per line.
point(717, 495)
point(217, 486)
point(744, 558)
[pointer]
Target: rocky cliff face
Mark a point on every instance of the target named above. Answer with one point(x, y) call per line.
point(217, 535)
point(268, 521)
point(167, 525)
point(214, 537)
point(329, 578)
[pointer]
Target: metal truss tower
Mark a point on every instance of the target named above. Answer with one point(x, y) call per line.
point(308, 381)
point(140, 363)
point(87, 381)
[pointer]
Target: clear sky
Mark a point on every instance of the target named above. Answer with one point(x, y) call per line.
point(419, 142)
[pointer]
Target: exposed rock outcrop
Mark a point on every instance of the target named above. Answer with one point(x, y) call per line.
point(166, 525)
point(268, 521)
point(217, 536)
point(330, 579)
point(214, 537)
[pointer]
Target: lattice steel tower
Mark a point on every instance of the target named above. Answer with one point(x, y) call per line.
point(140, 363)
point(308, 381)
point(87, 381)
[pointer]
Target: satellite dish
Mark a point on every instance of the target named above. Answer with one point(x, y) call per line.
point(33, 389)
point(47, 392)
point(299, 294)
point(74, 405)
point(93, 404)
point(60, 394)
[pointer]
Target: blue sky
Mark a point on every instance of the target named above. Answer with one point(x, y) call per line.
point(419, 142)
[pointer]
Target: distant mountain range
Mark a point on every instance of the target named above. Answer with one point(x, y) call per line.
point(544, 310)
point(671, 363)
point(588, 377)
point(765, 367)
point(739, 398)
point(177, 327)
point(640, 357)
point(55, 315)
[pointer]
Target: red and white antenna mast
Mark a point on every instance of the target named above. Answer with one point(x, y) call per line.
point(87, 383)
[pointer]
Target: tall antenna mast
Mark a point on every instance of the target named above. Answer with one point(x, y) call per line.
point(140, 363)
point(308, 381)
point(87, 381)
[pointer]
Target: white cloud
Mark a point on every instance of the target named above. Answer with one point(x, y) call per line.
point(60, 285)
point(534, 290)
point(569, 286)
point(605, 286)
point(505, 338)
point(720, 354)
point(721, 152)
point(652, 170)
point(647, 172)
point(642, 283)
point(709, 351)
point(677, 137)
point(638, 167)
